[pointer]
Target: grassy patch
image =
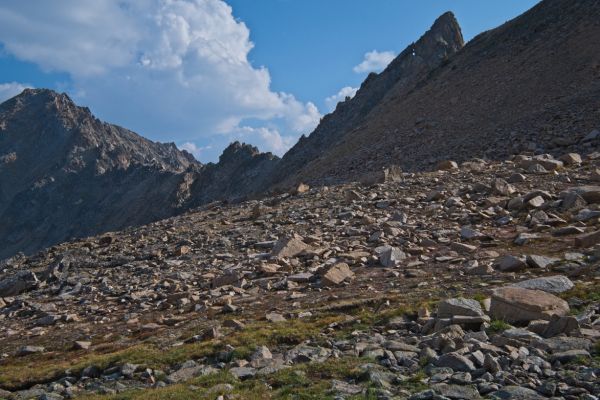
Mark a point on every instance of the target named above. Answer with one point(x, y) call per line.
point(415, 382)
point(21, 372)
point(497, 326)
point(587, 293)
point(301, 382)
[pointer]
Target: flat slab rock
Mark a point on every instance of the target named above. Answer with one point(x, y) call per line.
point(518, 305)
point(289, 247)
point(551, 284)
point(456, 361)
point(459, 306)
point(516, 393)
point(457, 392)
point(337, 274)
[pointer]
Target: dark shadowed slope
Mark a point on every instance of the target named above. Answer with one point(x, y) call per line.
point(413, 65)
point(530, 84)
point(65, 174)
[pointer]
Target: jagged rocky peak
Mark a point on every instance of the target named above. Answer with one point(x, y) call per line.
point(443, 39)
point(44, 102)
point(446, 33)
point(239, 152)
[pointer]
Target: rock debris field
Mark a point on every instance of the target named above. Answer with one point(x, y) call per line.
point(478, 280)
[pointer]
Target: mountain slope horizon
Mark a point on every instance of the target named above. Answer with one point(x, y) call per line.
point(528, 85)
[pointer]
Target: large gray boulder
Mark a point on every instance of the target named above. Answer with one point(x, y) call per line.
point(551, 284)
point(18, 283)
point(459, 306)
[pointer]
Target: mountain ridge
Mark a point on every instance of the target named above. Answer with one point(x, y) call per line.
point(65, 174)
point(518, 83)
point(508, 90)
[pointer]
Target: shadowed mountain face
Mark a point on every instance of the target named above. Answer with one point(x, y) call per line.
point(65, 174)
point(413, 65)
point(532, 84)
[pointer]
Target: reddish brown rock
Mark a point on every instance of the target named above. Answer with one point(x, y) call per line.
point(517, 305)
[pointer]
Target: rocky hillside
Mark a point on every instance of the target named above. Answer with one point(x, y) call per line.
point(65, 174)
point(480, 280)
point(531, 84)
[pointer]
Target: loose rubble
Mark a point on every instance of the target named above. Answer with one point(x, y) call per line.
point(357, 289)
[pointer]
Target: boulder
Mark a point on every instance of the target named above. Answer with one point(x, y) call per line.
point(243, 373)
point(188, 370)
point(301, 188)
point(82, 345)
point(516, 393)
point(229, 278)
point(571, 159)
point(518, 305)
point(456, 392)
point(450, 307)
point(539, 261)
point(337, 274)
point(18, 283)
point(509, 263)
point(550, 284)
point(588, 240)
point(467, 233)
point(447, 165)
point(573, 201)
point(275, 317)
point(289, 247)
point(569, 356)
point(503, 188)
point(391, 256)
point(536, 202)
point(392, 173)
point(456, 361)
point(559, 325)
point(590, 193)
point(27, 350)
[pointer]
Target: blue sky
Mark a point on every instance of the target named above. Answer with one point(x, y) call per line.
point(202, 73)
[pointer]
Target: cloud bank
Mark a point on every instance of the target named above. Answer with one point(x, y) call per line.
point(332, 101)
point(375, 61)
point(175, 70)
point(11, 89)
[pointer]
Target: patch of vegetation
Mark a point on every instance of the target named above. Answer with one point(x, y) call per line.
point(480, 297)
point(415, 382)
point(585, 292)
point(303, 382)
point(16, 373)
point(497, 326)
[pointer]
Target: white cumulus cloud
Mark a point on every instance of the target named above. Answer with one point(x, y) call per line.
point(375, 61)
point(267, 138)
point(194, 149)
point(11, 89)
point(332, 101)
point(156, 66)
